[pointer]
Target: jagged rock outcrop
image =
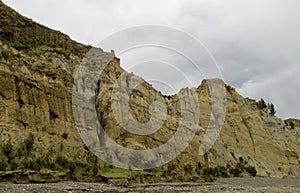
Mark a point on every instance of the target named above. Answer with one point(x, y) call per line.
point(36, 79)
point(249, 133)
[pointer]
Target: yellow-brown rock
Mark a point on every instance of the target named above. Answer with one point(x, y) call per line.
point(36, 78)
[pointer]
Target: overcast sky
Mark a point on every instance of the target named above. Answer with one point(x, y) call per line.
point(256, 43)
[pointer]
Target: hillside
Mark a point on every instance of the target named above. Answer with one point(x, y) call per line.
point(38, 131)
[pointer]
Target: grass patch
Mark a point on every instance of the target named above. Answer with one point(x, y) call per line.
point(115, 172)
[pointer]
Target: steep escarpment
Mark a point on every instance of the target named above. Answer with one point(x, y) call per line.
point(24, 34)
point(37, 68)
point(250, 134)
point(36, 78)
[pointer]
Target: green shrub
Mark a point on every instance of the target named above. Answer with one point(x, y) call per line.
point(262, 104)
point(236, 172)
point(251, 170)
point(28, 142)
point(22, 47)
point(171, 168)
point(13, 166)
point(3, 165)
point(7, 149)
point(271, 108)
point(72, 168)
point(164, 173)
point(188, 169)
point(33, 164)
point(223, 172)
point(64, 135)
point(92, 158)
point(218, 171)
point(95, 170)
point(226, 172)
point(62, 162)
point(53, 166)
point(62, 51)
point(229, 88)
point(209, 171)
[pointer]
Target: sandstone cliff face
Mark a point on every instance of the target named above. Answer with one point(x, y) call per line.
point(249, 133)
point(36, 97)
point(36, 72)
point(261, 139)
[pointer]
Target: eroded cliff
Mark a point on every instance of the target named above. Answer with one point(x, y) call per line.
point(36, 119)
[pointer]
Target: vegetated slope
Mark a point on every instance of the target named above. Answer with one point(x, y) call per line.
point(24, 34)
point(37, 128)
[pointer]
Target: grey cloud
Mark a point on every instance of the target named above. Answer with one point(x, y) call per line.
point(255, 43)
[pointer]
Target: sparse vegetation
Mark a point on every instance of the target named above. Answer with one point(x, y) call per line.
point(7, 149)
point(198, 168)
point(226, 172)
point(3, 165)
point(28, 144)
point(271, 109)
point(62, 51)
point(188, 169)
point(27, 36)
point(251, 170)
point(262, 104)
point(113, 172)
point(22, 47)
point(21, 158)
point(64, 135)
point(218, 171)
point(229, 88)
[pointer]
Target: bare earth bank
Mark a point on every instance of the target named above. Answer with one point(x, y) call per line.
point(221, 185)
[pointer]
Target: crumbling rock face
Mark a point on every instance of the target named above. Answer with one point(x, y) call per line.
point(36, 97)
point(249, 133)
